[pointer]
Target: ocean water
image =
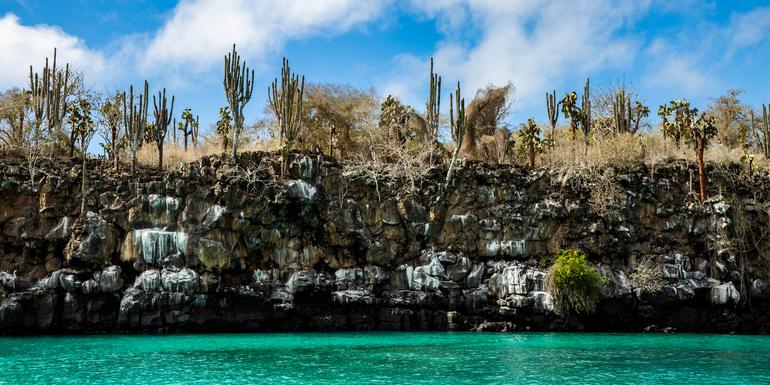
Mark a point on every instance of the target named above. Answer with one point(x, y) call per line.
point(387, 358)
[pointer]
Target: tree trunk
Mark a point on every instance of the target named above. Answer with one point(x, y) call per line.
point(701, 174)
point(185, 141)
point(160, 156)
point(531, 156)
point(83, 187)
point(133, 163)
point(452, 164)
point(115, 149)
point(235, 141)
point(574, 139)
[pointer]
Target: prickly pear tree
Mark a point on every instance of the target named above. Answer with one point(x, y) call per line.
point(111, 115)
point(530, 138)
point(664, 111)
point(639, 112)
point(683, 118)
point(285, 98)
point(457, 127)
point(571, 111)
point(239, 85)
point(84, 128)
point(223, 126)
point(135, 120)
point(699, 134)
point(585, 111)
point(162, 114)
point(189, 127)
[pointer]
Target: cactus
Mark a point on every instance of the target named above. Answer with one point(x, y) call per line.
point(585, 112)
point(84, 129)
point(640, 111)
point(457, 127)
point(286, 103)
point(433, 109)
point(162, 115)
point(433, 106)
point(762, 136)
point(223, 126)
point(699, 134)
point(239, 86)
point(189, 127)
point(111, 115)
point(572, 112)
point(621, 112)
point(49, 91)
point(530, 137)
point(552, 106)
point(135, 121)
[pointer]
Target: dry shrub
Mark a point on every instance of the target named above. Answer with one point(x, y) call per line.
point(483, 115)
point(334, 115)
point(647, 275)
point(577, 160)
point(174, 155)
point(607, 198)
point(498, 147)
point(627, 150)
point(384, 159)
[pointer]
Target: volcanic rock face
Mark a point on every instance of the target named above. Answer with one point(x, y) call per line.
point(209, 246)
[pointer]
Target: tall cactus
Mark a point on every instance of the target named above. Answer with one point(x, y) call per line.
point(286, 103)
point(621, 112)
point(457, 127)
point(135, 121)
point(585, 112)
point(49, 91)
point(239, 86)
point(162, 115)
point(552, 107)
point(433, 106)
point(762, 136)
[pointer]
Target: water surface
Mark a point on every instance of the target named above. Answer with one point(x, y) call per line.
point(387, 358)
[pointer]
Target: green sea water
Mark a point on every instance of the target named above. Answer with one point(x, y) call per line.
point(387, 358)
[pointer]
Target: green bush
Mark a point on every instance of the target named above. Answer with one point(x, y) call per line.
point(573, 283)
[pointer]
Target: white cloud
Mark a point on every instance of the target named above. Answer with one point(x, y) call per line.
point(200, 32)
point(748, 29)
point(537, 45)
point(23, 45)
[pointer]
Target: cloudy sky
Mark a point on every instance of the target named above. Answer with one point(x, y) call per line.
point(666, 49)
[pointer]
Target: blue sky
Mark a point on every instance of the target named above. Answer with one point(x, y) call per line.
point(666, 49)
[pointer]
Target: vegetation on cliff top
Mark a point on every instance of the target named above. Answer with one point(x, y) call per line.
point(383, 141)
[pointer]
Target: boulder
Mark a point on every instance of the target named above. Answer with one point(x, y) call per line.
point(110, 280)
point(724, 294)
point(179, 280)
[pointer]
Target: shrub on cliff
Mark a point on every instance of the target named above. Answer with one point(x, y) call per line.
point(573, 283)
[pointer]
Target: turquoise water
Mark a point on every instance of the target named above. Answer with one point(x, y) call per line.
point(387, 358)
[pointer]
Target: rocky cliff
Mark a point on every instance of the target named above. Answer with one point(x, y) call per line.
point(211, 246)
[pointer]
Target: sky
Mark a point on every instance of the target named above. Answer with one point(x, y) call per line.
point(695, 50)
